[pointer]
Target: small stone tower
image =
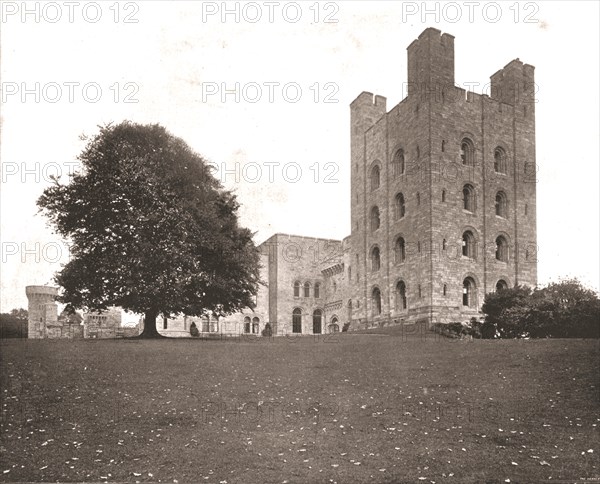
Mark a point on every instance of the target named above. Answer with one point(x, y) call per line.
point(43, 310)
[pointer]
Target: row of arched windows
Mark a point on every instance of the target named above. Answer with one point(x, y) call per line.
point(469, 204)
point(306, 288)
point(469, 249)
point(469, 246)
point(466, 154)
point(470, 201)
point(469, 294)
point(251, 326)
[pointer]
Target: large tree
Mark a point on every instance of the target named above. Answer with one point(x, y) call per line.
point(150, 229)
point(564, 309)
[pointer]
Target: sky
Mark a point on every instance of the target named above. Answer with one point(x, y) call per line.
point(262, 91)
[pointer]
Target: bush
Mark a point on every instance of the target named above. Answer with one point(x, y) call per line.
point(488, 330)
point(346, 326)
point(194, 330)
point(474, 328)
point(267, 330)
point(559, 310)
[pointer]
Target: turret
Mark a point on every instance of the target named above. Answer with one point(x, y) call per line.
point(514, 84)
point(42, 309)
point(431, 62)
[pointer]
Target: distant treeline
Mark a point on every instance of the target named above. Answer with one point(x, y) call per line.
point(12, 326)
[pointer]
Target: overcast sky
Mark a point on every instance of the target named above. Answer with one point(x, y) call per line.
point(68, 68)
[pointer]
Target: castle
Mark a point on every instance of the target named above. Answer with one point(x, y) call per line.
point(443, 210)
point(43, 320)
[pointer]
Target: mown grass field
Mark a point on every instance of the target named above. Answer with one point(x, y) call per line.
point(348, 409)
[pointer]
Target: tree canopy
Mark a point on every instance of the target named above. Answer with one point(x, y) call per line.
point(151, 230)
point(562, 309)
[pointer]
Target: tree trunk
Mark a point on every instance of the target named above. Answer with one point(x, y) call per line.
point(150, 330)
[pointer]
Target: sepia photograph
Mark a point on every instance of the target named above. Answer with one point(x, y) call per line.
point(300, 242)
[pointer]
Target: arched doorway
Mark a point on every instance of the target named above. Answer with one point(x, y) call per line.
point(334, 326)
point(317, 317)
point(297, 321)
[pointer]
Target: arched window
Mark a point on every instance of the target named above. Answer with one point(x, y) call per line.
point(468, 244)
point(297, 289)
point(501, 285)
point(443, 195)
point(443, 141)
point(469, 198)
point(444, 244)
point(297, 321)
point(418, 152)
point(418, 199)
point(375, 221)
point(307, 289)
point(400, 250)
point(375, 177)
point(255, 323)
point(398, 163)
point(317, 317)
point(420, 291)
point(399, 206)
point(469, 295)
point(499, 160)
point(501, 248)
point(467, 152)
point(246, 324)
point(349, 273)
point(317, 291)
point(375, 259)
point(445, 290)
point(376, 301)
point(501, 204)
point(206, 326)
point(418, 246)
point(401, 296)
point(334, 327)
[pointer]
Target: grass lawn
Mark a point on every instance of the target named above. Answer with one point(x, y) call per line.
point(354, 408)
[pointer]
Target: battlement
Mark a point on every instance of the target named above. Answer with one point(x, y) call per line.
point(283, 238)
point(368, 99)
point(48, 291)
point(433, 34)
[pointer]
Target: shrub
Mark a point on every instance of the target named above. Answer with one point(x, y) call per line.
point(267, 330)
point(194, 330)
point(488, 330)
point(474, 328)
point(564, 310)
point(560, 310)
point(346, 326)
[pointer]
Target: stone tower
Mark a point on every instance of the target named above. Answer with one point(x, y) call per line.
point(42, 310)
point(443, 194)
